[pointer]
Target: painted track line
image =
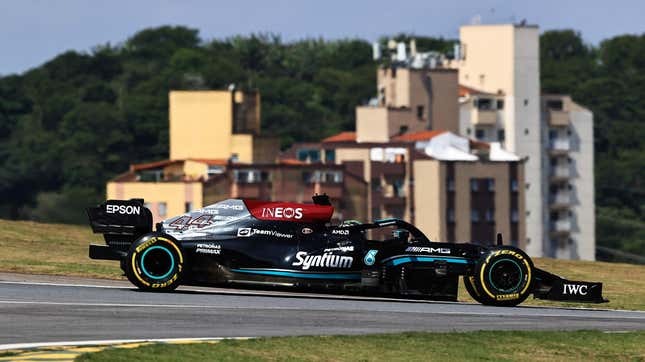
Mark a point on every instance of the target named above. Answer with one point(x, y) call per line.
point(110, 342)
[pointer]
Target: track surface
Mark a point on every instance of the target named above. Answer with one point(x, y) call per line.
point(34, 310)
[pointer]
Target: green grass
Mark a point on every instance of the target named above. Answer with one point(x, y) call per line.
point(490, 346)
point(36, 248)
point(29, 247)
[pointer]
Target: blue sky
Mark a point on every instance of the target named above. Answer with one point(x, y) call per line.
point(33, 31)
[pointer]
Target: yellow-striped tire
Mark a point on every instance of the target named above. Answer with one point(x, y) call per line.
point(469, 283)
point(155, 263)
point(503, 277)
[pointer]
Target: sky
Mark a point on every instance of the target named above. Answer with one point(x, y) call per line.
point(34, 31)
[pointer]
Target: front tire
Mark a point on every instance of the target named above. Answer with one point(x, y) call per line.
point(503, 277)
point(471, 288)
point(154, 263)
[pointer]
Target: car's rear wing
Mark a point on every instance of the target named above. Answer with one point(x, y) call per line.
point(121, 222)
point(553, 287)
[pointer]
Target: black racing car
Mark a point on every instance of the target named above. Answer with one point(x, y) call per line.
point(248, 242)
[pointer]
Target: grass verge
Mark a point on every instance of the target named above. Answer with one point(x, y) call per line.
point(29, 247)
point(493, 346)
point(36, 248)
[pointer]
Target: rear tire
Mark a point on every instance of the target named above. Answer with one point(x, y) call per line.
point(503, 277)
point(154, 263)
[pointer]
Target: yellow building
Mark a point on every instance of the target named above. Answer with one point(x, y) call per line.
point(208, 130)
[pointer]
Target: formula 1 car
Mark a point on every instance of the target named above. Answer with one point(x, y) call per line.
point(249, 242)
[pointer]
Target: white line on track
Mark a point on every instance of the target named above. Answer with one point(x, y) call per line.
point(107, 342)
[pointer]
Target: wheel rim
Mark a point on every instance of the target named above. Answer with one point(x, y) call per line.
point(157, 262)
point(505, 275)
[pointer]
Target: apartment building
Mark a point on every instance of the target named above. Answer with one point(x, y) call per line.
point(500, 101)
point(452, 188)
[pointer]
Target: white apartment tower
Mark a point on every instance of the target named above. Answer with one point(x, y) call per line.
point(500, 100)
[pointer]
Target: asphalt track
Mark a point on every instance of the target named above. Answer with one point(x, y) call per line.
point(52, 309)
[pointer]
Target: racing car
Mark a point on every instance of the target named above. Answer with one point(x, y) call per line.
point(282, 244)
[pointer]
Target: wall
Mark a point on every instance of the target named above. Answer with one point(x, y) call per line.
point(371, 124)
point(200, 124)
point(488, 51)
point(445, 100)
point(582, 156)
point(430, 198)
point(242, 145)
point(499, 171)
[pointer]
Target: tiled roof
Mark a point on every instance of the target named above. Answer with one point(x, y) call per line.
point(417, 136)
point(292, 161)
point(342, 137)
point(149, 165)
point(163, 163)
point(464, 90)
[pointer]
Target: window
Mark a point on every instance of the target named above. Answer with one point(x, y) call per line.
point(151, 176)
point(491, 184)
point(484, 104)
point(250, 176)
point(420, 113)
point(450, 184)
point(514, 216)
point(330, 156)
point(500, 104)
point(397, 186)
point(474, 185)
point(403, 129)
point(188, 207)
point(468, 130)
point(328, 176)
point(376, 183)
point(555, 104)
point(526, 131)
point(451, 216)
point(161, 207)
point(307, 154)
point(501, 135)
point(490, 215)
point(474, 215)
point(480, 134)
point(553, 134)
point(526, 102)
point(215, 170)
point(514, 186)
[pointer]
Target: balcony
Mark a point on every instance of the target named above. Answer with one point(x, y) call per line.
point(561, 227)
point(558, 118)
point(559, 146)
point(388, 168)
point(483, 117)
point(560, 173)
point(560, 200)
